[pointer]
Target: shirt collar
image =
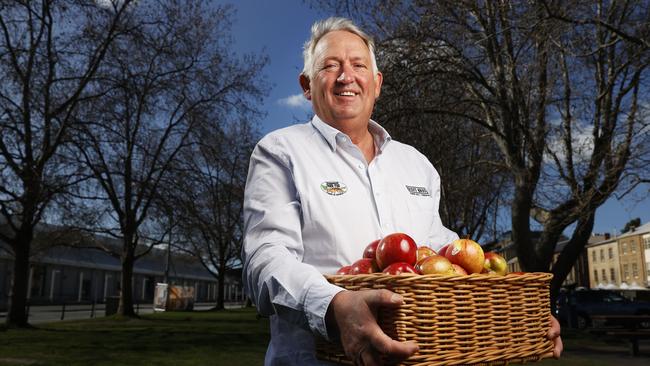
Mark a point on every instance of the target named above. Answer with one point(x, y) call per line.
point(330, 134)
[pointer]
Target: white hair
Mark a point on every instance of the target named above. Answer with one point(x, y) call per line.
point(320, 29)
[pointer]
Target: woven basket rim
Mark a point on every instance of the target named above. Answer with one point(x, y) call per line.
point(379, 276)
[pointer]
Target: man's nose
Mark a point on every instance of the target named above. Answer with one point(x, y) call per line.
point(346, 76)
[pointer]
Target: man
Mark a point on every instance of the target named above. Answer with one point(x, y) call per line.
point(318, 193)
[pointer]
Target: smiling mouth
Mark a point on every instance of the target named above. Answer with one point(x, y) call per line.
point(346, 94)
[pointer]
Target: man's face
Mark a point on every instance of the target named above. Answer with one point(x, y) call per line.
point(343, 89)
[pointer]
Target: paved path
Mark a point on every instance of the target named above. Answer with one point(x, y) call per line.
point(53, 313)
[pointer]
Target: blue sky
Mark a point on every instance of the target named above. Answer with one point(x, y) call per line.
point(280, 28)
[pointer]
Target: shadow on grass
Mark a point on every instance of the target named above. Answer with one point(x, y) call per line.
point(179, 339)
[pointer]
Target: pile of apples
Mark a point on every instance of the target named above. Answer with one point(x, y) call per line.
point(397, 253)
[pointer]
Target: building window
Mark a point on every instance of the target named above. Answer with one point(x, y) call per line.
point(604, 275)
point(595, 275)
point(593, 255)
point(646, 242)
point(624, 248)
point(602, 255)
point(612, 275)
point(38, 282)
point(635, 271)
point(610, 253)
point(633, 245)
point(626, 271)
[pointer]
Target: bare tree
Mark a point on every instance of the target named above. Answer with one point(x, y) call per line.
point(49, 54)
point(474, 182)
point(557, 84)
point(208, 210)
point(166, 80)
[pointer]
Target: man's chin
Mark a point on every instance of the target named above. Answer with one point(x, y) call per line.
point(350, 113)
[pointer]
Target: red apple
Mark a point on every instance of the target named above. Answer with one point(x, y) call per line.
point(364, 266)
point(496, 263)
point(344, 270)
point(417, 264)
point(370, 250)
point(396, 247)
point(443, 250)
point(423, 252)
point(435, 264)
point(399, 268)
point(467, 254)
point(459, 270)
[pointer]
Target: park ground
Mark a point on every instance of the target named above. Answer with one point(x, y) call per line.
point(230, 337)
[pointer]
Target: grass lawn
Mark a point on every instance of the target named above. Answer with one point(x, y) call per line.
point(231, 337)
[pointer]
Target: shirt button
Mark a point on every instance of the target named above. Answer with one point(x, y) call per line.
point(360, 166)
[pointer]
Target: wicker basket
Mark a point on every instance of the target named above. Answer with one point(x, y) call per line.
point(461, 320)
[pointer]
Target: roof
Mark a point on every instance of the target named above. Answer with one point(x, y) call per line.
point(154, 263)
point(643, 229)
point(594, 238)
point(602, 242)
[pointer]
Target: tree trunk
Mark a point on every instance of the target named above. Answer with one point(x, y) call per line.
point(221, 279)
point(571, 252)
point(17, 314)
point(126, 296)
point(521, 236)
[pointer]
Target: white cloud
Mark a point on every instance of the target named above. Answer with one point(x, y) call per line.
point(295, 101)
point(582, 144)
point(106, 4)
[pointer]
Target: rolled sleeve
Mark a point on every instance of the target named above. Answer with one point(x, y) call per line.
point(317, 302)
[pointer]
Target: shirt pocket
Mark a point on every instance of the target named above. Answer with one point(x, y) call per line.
point(421, 216)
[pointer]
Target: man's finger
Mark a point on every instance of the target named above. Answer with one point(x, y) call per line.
point(554, 330)
point(554, 335)
point(371, 358)
point(385, 345)
point(558, 347)
point(382, 298)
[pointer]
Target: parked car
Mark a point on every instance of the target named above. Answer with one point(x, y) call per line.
point(578, 307)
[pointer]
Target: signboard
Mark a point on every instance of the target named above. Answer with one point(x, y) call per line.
point(173, 298)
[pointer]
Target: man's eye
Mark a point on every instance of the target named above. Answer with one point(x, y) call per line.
point(330, 66)
point(361, 66)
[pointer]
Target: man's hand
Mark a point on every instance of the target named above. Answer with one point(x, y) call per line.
point(554, 335)
point(354, 313)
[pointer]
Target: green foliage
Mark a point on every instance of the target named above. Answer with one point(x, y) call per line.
point(630, 224)
point(232, 337)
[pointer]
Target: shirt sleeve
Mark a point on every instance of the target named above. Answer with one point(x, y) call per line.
point(274, 276)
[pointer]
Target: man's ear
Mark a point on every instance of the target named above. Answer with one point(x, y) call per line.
point(304, 84)
point(379, 79)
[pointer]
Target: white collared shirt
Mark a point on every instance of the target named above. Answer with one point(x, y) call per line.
point(312, 204)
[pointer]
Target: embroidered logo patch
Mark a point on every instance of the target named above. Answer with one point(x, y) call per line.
point(334, 188)
point(418, 191)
